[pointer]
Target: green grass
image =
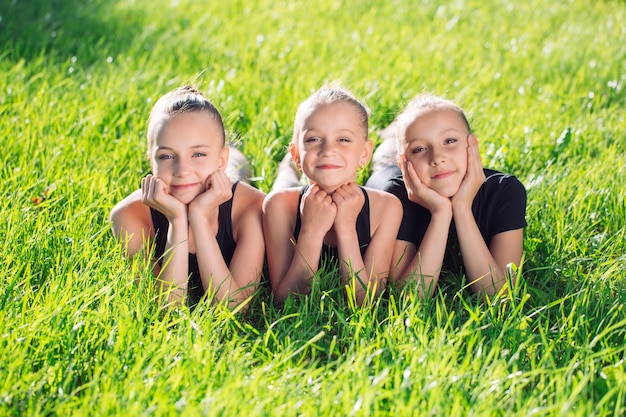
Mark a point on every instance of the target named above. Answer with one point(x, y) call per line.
point(544, 83)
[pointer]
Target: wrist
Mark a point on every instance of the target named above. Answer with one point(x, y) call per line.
point(345, 227)
point(177, 219)
point(442, 210)
point(199, 215)
point(460, 210)
point(312, 234)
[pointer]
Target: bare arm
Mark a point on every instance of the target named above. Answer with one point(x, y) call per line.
point(292, 265)
point(246, 264)
point(484, 266)
point(385, 217)
point(349, 200)
point(174, 273)
point(224, 281)
point(132, 226)
point(423, 265)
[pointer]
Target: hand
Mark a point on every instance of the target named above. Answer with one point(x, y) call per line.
point(474, 176)
point(317, 210)
point(217, 190)
point(417, 191)
point(349, 200)
point(155, 194)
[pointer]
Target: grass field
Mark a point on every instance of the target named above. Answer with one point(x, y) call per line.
point(545, 85)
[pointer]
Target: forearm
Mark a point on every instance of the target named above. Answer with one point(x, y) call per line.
point(304, 264)
point(174, 273)
point(425, 267)
point(215, 275)
point(481, 268)
point(352, 266)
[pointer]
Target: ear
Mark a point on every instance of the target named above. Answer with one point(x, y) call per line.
point(223, 161)
point(295, 155)
point(366, 154)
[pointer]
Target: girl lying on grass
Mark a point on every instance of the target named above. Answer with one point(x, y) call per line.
point(206, 230)
point(456, 213)
point(333, 217)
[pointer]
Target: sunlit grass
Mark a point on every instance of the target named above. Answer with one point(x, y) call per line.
point(543, 82)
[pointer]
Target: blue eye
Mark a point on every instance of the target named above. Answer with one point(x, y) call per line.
point(418, 149)
point(344, 139)
point(312, 139)
point(451, 140)
point(198, 154)
point(165, 156)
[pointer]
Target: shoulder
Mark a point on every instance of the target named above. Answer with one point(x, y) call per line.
point(380, 196)
point(130, 206)
point(283, 199)
point(245, 194)
point(383, 202)
point(501, 185)
point(247, 201)
point(499, 179)
point(131, 215)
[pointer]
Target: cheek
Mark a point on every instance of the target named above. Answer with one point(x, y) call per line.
point(462, 163)
point(158, 167)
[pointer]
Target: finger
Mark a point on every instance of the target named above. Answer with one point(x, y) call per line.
point(474, 162)
point(412, 175)
point(353, 188)
point(312, 190)
point(160, 186)
point(402, 163)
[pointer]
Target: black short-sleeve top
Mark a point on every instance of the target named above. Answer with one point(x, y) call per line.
point(499, 206)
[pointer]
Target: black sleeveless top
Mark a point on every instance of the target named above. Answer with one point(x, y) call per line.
point(362, 228)
point(224, 238)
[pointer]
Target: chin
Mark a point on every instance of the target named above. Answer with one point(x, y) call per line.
point(448, 192)
point(185, 199)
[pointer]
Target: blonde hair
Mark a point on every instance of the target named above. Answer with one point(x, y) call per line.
point(185, 99)
point(325, 96)
point(421, 104)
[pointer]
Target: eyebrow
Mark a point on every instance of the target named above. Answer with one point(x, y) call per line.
point(453, 129)
point(191, 147)
point(444, 131)
point(305, 130)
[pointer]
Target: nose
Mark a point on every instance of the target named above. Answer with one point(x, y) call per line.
point(438, 156)
point(182, 167)
point(327, 147)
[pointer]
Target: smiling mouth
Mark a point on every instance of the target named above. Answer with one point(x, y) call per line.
point(181, 187)
point(328, 166)
point(443, 175)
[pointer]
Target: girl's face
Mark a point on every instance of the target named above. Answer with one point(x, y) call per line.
point(332, 145)
point(436, 144)
point(188, 149)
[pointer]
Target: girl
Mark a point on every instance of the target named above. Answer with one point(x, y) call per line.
point(452, 205)
point(207, 232)
point(332, 217)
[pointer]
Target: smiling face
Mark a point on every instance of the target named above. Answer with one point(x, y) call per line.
point(331, 145)
point(436, 144)
point(188, 148)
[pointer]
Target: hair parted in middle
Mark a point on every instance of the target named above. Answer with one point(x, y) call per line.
point(326, 95)
point(421, 104)
point(182, 100)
